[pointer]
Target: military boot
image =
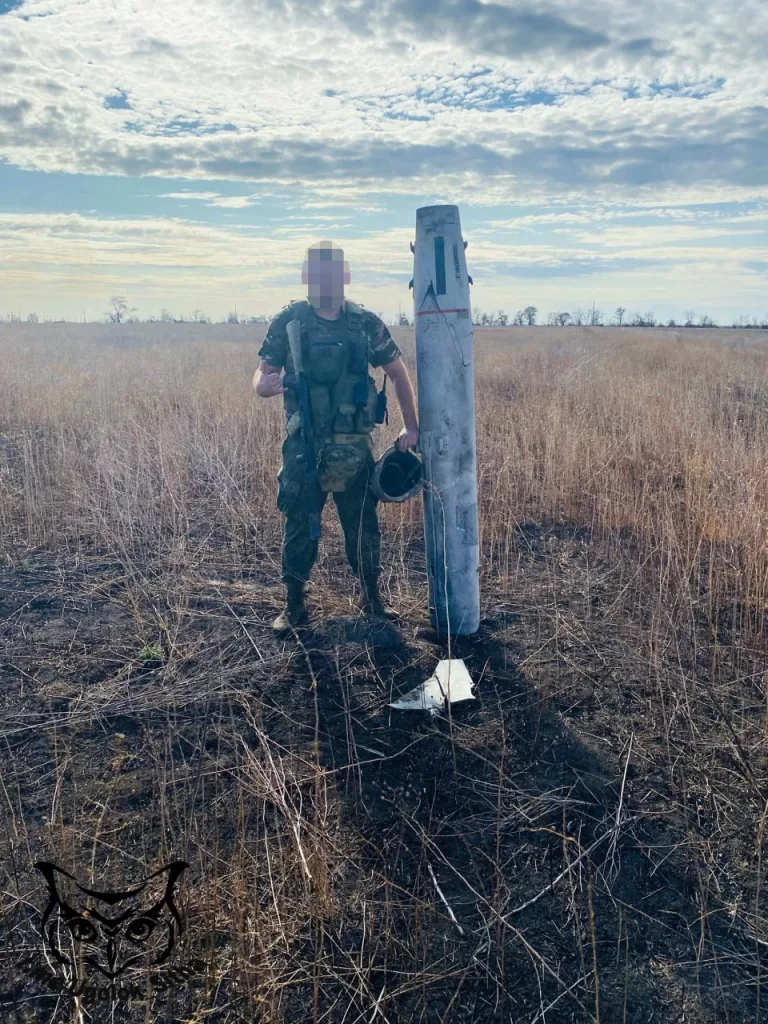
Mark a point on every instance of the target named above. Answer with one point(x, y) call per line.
point(371, 600)
point(295, 612)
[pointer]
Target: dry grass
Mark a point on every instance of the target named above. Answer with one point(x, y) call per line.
point(585, 845)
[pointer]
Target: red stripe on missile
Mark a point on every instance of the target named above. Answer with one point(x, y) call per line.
point(426, 312)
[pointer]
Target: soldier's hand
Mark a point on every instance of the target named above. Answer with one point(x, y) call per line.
point(407, 439)
point(270, 384)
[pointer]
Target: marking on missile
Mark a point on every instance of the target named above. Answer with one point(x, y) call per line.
point(439, 264)
point(429, 295)
point(426, 312)
point(466, 521)
point(456, 260)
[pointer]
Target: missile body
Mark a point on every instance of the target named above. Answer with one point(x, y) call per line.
point(444, 362)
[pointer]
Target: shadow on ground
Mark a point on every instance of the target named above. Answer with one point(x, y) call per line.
point(529, 857)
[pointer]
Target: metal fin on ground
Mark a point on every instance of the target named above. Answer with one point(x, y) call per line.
point(450, 683)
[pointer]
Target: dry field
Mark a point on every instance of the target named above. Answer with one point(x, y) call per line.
point(586, 842)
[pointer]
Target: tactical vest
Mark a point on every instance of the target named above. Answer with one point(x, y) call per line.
point(342, 393)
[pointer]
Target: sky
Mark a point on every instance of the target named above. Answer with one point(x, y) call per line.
point(184, 155)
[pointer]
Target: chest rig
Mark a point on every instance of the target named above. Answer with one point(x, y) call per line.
point(343, 395)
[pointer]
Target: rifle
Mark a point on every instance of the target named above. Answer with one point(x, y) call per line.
point(301, 387)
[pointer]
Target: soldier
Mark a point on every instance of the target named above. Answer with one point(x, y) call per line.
point(340, 340)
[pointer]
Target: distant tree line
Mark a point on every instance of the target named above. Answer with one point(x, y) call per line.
point(593, 317)
point(120, 312)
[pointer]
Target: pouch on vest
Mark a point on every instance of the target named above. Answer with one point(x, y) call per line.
point(293, 426)
point(320, 401)
point(366, 414)
point(344, 421)
point(338, 465)
point(326, 362)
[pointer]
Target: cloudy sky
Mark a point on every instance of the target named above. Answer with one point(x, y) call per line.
point(185, 154)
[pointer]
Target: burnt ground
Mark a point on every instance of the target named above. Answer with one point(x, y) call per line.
point(582, 842)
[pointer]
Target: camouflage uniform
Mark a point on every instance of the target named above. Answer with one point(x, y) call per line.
point(356, 505)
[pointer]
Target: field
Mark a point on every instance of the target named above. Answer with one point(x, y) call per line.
point(585, 842)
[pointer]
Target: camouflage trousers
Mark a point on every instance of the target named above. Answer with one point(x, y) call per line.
point(356, 507)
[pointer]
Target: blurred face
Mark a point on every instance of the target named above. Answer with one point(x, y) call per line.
point(325, 272)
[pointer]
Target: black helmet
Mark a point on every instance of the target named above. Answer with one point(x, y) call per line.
point(397, 475)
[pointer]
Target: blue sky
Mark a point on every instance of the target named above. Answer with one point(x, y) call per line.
point(185, 155)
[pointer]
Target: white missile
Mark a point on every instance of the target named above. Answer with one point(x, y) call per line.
point(446, 419)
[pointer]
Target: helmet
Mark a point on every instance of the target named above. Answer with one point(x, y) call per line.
point(397, 475)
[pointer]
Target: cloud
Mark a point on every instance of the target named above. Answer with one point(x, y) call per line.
point(215, 199)
point(183, 264)
point(559, 155)
point(189, 195)
point(645, 46)
point(14, 113)
point(490, 28)
point(536, 220)
point(559, 121)
point(669, 234)
point(232, 202)
point(27, 239)
point(609, 106)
